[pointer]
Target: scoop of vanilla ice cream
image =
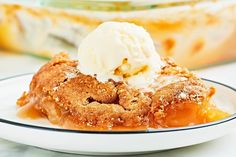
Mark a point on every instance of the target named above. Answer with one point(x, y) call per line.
point(120, 51)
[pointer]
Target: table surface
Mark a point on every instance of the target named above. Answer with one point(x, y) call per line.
point(13, 64)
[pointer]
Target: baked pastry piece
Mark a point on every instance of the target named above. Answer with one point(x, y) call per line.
point(118, 82)
point(61, 93)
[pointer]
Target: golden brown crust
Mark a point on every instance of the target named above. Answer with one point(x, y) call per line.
point(67, 96)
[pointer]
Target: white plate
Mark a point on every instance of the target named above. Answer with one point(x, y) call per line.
point(41, 133)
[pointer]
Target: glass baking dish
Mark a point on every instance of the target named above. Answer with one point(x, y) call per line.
point(196, 33)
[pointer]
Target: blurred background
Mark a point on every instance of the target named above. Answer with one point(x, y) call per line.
point(198, 34)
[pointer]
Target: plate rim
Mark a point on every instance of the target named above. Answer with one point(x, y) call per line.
point(163, 130)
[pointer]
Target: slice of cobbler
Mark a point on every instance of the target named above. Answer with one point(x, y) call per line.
point(118, 83)
point(71, 99)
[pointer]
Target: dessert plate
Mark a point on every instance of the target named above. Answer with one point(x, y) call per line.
point(40, 133)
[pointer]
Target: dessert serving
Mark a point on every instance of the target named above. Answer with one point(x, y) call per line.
point(119, 82)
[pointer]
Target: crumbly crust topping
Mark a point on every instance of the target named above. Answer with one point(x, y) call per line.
point(67, 96)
